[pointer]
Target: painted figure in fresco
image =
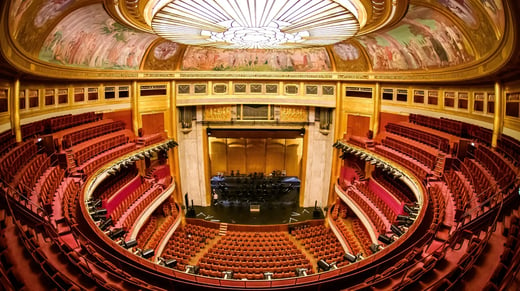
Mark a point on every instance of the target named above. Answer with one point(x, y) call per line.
point(346, 51)
point(165, 50)
point(463, 10)
point(203, 58)
point(49, 11)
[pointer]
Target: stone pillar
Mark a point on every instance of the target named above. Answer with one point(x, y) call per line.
point(192, 163)
point(318, 166)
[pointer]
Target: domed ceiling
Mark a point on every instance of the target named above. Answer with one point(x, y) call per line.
point(348, 36)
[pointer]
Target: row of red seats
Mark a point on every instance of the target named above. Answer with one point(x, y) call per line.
point(58, 123)
point(354, 235)
point(420, 170)
point(93, 164)
point(494, 162)
point(397, 189)
point(362, 235)
point(255, 261)
point(26, 177)
point(99, 147)
point(7, 141)
point(150, 139)
point(419, 154)
point(480, 179)
point(509, 258)
point(510, 146)
point(129, 200)
point(201, 231)
point(450, 126)
point(483, 135)
point(32, 129)
point(389, 213)
point(109, 190)
point(476, 245)
point(146, 232)
point(69, 192)
point(427, 138)
point(32, 250)
point(158, 234)
point(169, 208)
point(459, 187)
point(339, 210)
point(48, 184)
point(193, 242)
point(248, 258)
point(93, 131)
point(16, 158)
point(438, 201)
point(322, 243)
point(374, 217)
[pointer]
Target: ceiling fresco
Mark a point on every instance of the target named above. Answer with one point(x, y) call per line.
point(436, 34)
point(424, 39)
point(89, 37)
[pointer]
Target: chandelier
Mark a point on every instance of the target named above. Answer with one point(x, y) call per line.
point(255, 24)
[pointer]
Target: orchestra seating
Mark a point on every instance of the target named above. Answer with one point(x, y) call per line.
point(320, 242)
point(187, 242)
point(251, 254)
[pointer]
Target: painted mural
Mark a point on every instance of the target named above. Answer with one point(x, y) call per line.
point(301, 60)
point(349, 56)
point(31, 21)
point(50, 10)
point(495, 10)
point(163, 55)
point(424, 39)
point(17, 11)
point(165, 50)
point(346, 51)
point(89, 37)
point(464, 10)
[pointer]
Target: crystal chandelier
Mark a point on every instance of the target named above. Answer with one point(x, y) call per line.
point(255, 23)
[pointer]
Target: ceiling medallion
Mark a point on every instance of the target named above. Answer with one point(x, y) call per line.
point(256, 24)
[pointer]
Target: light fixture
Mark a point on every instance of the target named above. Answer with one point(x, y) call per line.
point(130, 243)
point(148, 253)
point(227, 274)
point(268, 276)
point(255, 24)
point(350, 257)
point(396, 230)
point(190, 269)
point(385, 239)
point(323, 265)
point(300, 272)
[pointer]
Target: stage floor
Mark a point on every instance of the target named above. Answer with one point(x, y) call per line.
point(268, 214)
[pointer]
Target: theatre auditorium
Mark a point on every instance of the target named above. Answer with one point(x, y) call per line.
point(259, 145)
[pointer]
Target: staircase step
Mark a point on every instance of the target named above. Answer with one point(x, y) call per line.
point(223, 229)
